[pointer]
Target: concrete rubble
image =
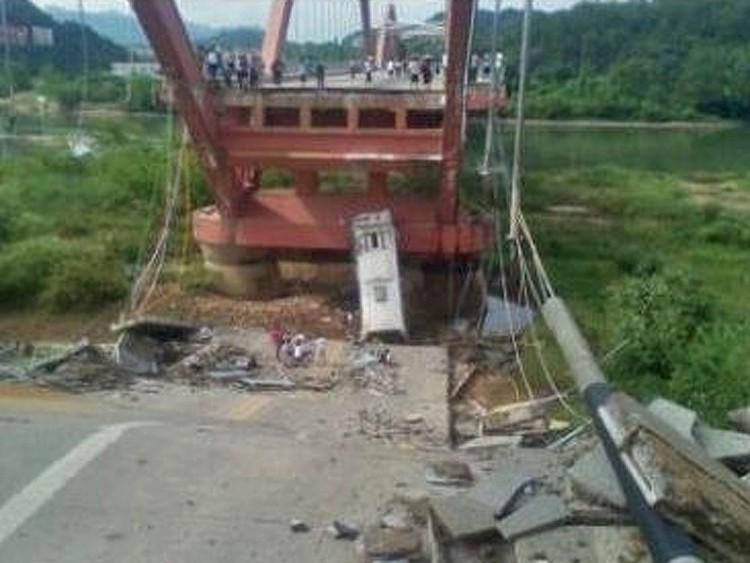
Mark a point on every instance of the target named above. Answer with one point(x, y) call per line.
point(519, 484)
point(593, 478)
point(528, 504)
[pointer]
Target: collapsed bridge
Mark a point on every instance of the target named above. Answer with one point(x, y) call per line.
point(375, 129)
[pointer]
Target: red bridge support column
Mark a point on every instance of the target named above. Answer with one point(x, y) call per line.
point(458, 15)
point(276, 32)
point(368, 37)
point(163, 25)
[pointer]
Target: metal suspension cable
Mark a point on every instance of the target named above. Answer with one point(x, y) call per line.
point(84, 61)
point(8, 73)
point(490, 133)
point(515, 195)
point(6, 50)
point(526, 285)
point(147, 280)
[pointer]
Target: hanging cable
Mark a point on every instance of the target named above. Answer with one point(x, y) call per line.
point(515, 194)
point(84, 62)
point(150, 274)
point(10, 124)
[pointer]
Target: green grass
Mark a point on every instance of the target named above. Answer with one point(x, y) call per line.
point(636, 227)
point(72, 231)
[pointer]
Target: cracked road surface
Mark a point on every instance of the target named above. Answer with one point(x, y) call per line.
point(189, 476)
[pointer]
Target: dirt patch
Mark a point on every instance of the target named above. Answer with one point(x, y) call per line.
point(317, 313)
point(726, 194)
point(314, 312)
point(566, 213)
point(39, 326)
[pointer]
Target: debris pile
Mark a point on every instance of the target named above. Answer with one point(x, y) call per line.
point(487, 400)
point(374, 369)
point(379, 421)
point(566, 503)
point(80, 368)
point(150, 349)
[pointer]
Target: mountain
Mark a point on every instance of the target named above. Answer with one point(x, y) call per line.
point(123, 28)
point(236, 37)
point(66, 55)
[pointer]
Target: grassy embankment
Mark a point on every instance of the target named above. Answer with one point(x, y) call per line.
point(655, 267)
point(656, 260)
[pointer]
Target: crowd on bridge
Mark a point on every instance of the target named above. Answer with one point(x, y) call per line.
point(245, 70)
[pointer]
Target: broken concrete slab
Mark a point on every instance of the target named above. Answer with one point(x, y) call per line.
point(449, 472)
point(492, 442)
point(499, 491)
point(731, 448)
point(462, 517)
point(584, 544)
point(282, 384)
point(593, 478)
point(540, 512)
point(741, 419)
point(163, 330)
point(682, 419)
point(503, 318)
point(391, 543)
point(686, 485)
point(342, 530)
point(137, 354)
point(298, 526)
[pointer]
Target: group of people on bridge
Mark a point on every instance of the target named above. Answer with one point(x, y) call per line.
point(418, 70)
point(245, 69)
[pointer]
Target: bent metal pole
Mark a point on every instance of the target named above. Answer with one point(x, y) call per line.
point(667, 543)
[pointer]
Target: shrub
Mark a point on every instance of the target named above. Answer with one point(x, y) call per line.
point(25, 266)
point(658, 316)
point(712, 376)
point(85, 281)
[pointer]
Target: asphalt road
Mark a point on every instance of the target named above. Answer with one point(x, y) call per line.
point(185, 476)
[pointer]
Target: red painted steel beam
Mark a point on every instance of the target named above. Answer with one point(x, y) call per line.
point(458, 16)
point(242, 147)
point(368, 38)
point(163, 25)
point(281, 219)
point(276, 31)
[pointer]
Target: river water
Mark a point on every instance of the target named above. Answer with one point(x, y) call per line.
point(679, 150)
point(674, 150)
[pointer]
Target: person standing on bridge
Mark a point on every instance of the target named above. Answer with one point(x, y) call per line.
point(277, 70)
point(414, 73)
point(320, 75)
point(302, 69)
point(368, 69)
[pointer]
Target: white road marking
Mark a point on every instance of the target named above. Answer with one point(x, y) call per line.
point(41, 490)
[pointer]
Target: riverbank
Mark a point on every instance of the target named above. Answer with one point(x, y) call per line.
point(607, 124)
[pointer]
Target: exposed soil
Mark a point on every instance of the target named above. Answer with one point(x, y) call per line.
point(314, 312)
point(725, 194)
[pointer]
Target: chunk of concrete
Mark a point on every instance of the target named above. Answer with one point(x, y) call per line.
point(541, 512)
point(136, 354)
point(463, 517)
point(680, 418)
point(741, 419)
point(492, 442)
point(731, 448)
point(449, 472)
point(390, 543)
point(500, 491)
point(593, 478)
point(584, 544)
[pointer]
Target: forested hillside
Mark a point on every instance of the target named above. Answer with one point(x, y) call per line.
point(658, 59)
point(26, 62)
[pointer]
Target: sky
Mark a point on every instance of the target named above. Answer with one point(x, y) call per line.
point(254, 12)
